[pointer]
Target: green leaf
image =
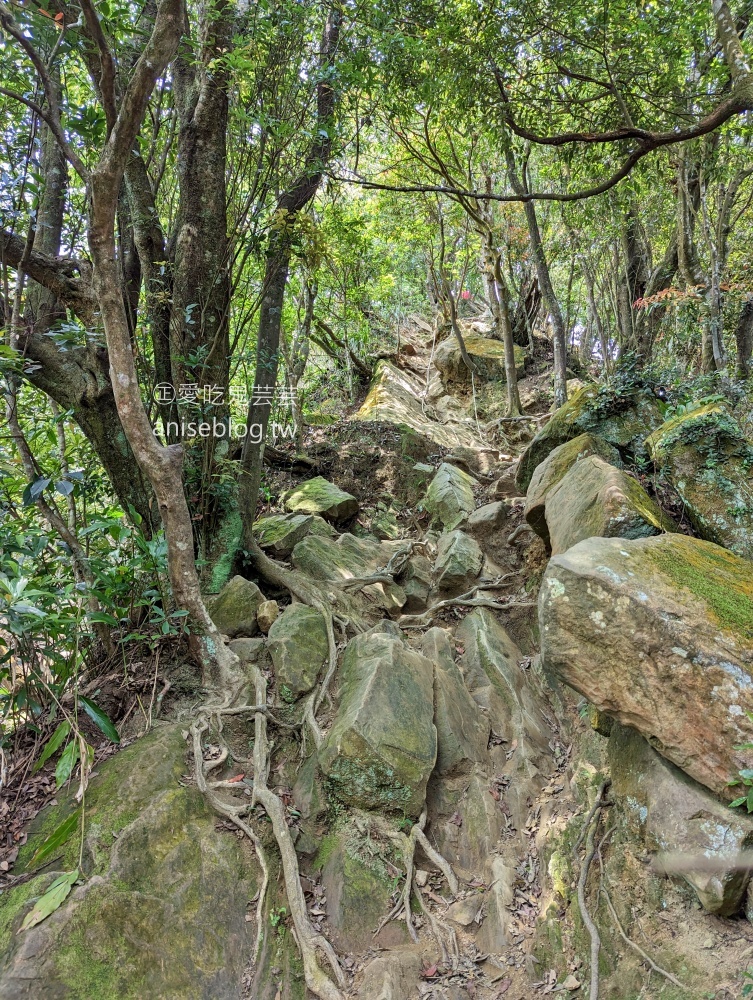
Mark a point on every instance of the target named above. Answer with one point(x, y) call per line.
point(59, 836)
point(100, 719)
point(53, 743)
point(737, 802)
point(52, 899)
point(749, 802)
point(66, 763)
point(101, 616)
point(64, 487)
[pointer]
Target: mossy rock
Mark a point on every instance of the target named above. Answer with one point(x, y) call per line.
point(458, 563)
point(234, 609)
point(555, 466)
point(298, 645)
point(487, 355)
point(318, 496)
point(710, 464)
point(656, 632)
point(595, 499)
point(358, 885)
point(280, 533)
point(619, 418)
point(348, 557)
point(162, 910)
point(382, 746)
point(449, 498)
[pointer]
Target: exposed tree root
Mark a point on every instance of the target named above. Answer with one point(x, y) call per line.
point(219, 795)
point(407, 845)
point(469, 599)
point(588, 832)
point(309, 941)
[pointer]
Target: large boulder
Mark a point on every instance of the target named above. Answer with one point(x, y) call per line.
point(449, 498)
point(620, 418)
point(318, 496)
point(280, 533)
point(458, 563)
point(681, 821)
point(492, 669)
point(488, 357)
point(594, 498)
point(162, 912)
point(710, 464)
point(397, 397)
point(348, 557)
point(462, 732)
point(382, 746)
point(557, 463)
point(657, 633)
point(298, 646)
point(234, 609)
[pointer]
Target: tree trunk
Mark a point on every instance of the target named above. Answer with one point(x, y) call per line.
point(289, 205)
point(545, 281)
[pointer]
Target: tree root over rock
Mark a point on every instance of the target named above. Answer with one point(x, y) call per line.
point(407, 844)
point(310, 943)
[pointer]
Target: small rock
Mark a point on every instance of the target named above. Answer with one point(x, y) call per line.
point(450, 495)
point(234, 609)
point(571, 983)
point(465, 911)
point(488, 518)
point(267, 613)
point(318, 496)
point(299, 646)
point(422, 877)
point(459, 561)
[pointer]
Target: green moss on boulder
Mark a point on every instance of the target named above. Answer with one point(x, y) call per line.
point(709, 462)
point(555, 466)
point(487, 355)
point(383, 744)
point(318, 496)
point(595, 499)
point(620, 417)
point(162, 910)
point(234, 609)
point(280, 533)
point(298, 645)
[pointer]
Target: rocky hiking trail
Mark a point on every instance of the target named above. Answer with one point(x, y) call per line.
point(493, 730)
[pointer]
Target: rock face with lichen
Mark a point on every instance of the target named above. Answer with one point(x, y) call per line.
point(458, 563)
point(680, 820)
point(347, 557)
point(449, 498)
point(163, 913)
point(488, 357)
point(280, 533)
point(318, 496)
point(658, 633)
point(554, 467)
point(298, 645)
point(619, 418)
point(710, 464)
point(383, 743)
point(234, 609)
point(595, 499)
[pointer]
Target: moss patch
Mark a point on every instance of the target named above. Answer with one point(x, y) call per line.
point(720, 578)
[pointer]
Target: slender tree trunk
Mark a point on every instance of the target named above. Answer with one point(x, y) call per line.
point(744, 339)
point(545, 282)
point(279, 249)
point(162, 465)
